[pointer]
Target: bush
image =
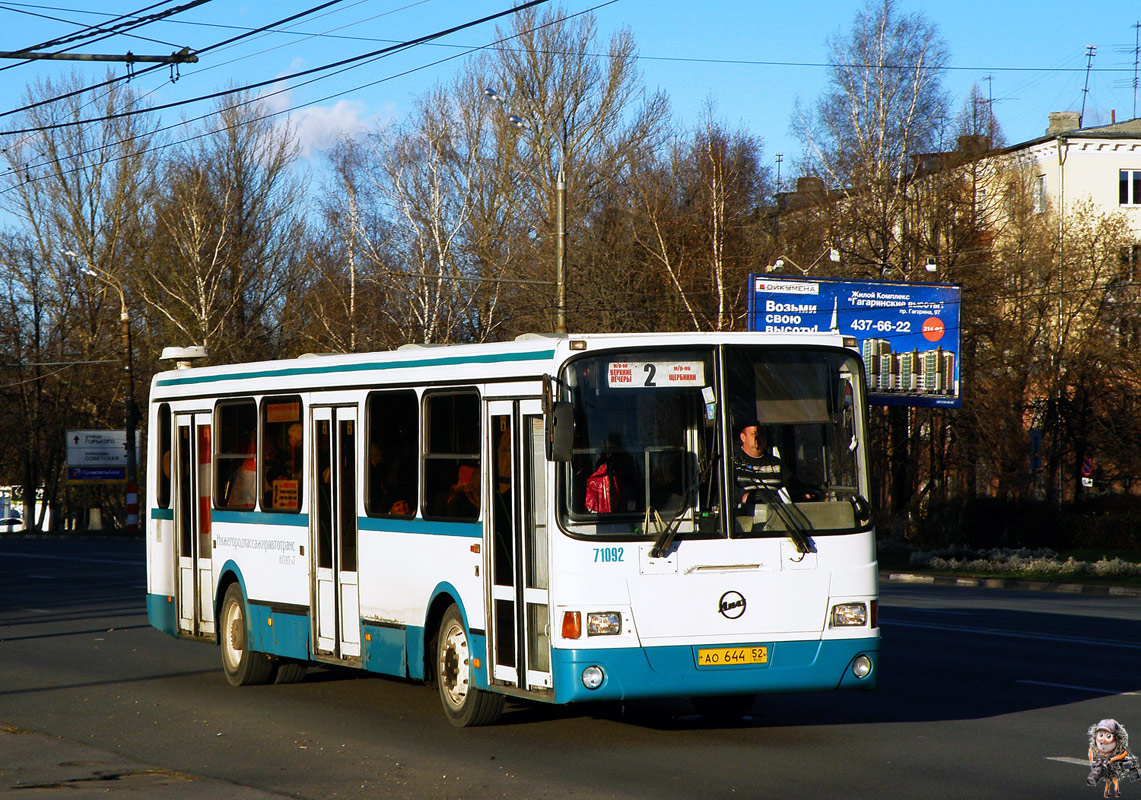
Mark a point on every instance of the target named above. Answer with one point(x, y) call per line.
point(1111, 522)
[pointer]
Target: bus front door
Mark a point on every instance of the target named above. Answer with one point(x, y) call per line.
point(193, 461)
point(336, 601)
point(516, 543)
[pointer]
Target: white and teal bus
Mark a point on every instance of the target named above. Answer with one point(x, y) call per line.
point(557, 519)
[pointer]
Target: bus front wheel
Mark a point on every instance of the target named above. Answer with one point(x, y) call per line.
point(242, 666)
point(464, 704)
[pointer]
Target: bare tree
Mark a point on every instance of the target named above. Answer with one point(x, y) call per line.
point(228, 227)
point(76, 194)
point(700, 221)
point(885, 103)
point(587, 115)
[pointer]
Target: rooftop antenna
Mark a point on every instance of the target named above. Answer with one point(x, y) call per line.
point(1136, 51)
point(1136, 54)
point(1091, 51)
point(780, 158)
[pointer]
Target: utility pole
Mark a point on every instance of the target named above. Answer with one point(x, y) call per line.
point(183, 56)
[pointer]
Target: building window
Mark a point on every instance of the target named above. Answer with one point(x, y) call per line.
point(1040, 194)
point(1129, 187)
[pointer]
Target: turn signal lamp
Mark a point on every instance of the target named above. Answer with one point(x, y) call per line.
point(572, 625)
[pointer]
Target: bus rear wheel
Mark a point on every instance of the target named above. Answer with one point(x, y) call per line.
point(243, 667)
point(464, 704)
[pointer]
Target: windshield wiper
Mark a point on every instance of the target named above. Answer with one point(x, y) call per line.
point(665, 539)
point(795, 523)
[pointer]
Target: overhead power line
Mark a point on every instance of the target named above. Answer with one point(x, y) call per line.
point(112, 28)
point(276, 113)
point(279, 79)
point(111, 81)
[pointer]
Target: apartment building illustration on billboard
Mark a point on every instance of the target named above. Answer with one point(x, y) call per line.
point(915, 372)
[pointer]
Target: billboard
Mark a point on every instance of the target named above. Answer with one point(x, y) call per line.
point(908, 333)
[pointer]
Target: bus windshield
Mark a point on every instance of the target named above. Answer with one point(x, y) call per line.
point(648, 432)
point(644, 440)
point(795, 441)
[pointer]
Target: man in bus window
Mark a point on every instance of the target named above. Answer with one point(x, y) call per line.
point(755, 465)
point(385, 496)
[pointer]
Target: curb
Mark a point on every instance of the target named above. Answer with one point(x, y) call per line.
point(1013, 583)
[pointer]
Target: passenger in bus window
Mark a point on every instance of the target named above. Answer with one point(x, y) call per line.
point(283, 470)
point(756, 467)
point(385, 495)
point(463, 497)
point(244, 485)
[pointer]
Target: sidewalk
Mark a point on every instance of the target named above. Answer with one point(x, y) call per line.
point(41, 766)
point(1012, 583)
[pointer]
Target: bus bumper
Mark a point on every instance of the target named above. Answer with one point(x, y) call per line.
point(672, 671)
point(161, 613)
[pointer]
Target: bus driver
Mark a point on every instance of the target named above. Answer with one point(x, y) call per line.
point(755, 465)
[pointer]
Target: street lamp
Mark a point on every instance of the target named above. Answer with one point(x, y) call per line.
point(832, 253)
point(560, 216)
point(130, 413)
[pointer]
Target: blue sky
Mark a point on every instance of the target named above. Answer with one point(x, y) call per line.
point(751, 59)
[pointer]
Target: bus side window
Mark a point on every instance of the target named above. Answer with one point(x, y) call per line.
point(390, 475)
point(282, 451)
point(164, 466)
point(451, 456)
point(236, 482)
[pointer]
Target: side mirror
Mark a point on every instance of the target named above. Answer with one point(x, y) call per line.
point(560, 432)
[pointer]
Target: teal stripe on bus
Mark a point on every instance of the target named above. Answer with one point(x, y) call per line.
point(489, 358)
point(260, 518)
point(473, 530)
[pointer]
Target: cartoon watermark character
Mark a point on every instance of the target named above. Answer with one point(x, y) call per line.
point(1109, 756)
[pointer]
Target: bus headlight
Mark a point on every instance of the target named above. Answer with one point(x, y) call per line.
point(849, 615)
point(862, 666)
point(603, 623)
point(592, 677)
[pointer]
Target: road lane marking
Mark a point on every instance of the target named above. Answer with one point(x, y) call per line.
point(1079, 688)
point(1042, 637)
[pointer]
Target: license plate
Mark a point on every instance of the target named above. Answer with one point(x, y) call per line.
point(729, 656)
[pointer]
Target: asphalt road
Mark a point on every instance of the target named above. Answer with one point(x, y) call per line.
point(983, 693)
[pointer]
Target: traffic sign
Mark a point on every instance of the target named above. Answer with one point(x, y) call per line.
point(98, 456)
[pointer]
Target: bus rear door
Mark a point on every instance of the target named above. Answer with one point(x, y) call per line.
point(516, 541)
point(193, 470)
point(336, 600)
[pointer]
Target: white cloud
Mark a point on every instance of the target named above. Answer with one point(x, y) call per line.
point(318, 127)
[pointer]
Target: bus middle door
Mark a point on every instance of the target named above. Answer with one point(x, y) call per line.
point(193, 471)
point(336, 600)
point(516, 542)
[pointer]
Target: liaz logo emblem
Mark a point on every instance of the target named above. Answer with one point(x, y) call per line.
point(731, 605)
